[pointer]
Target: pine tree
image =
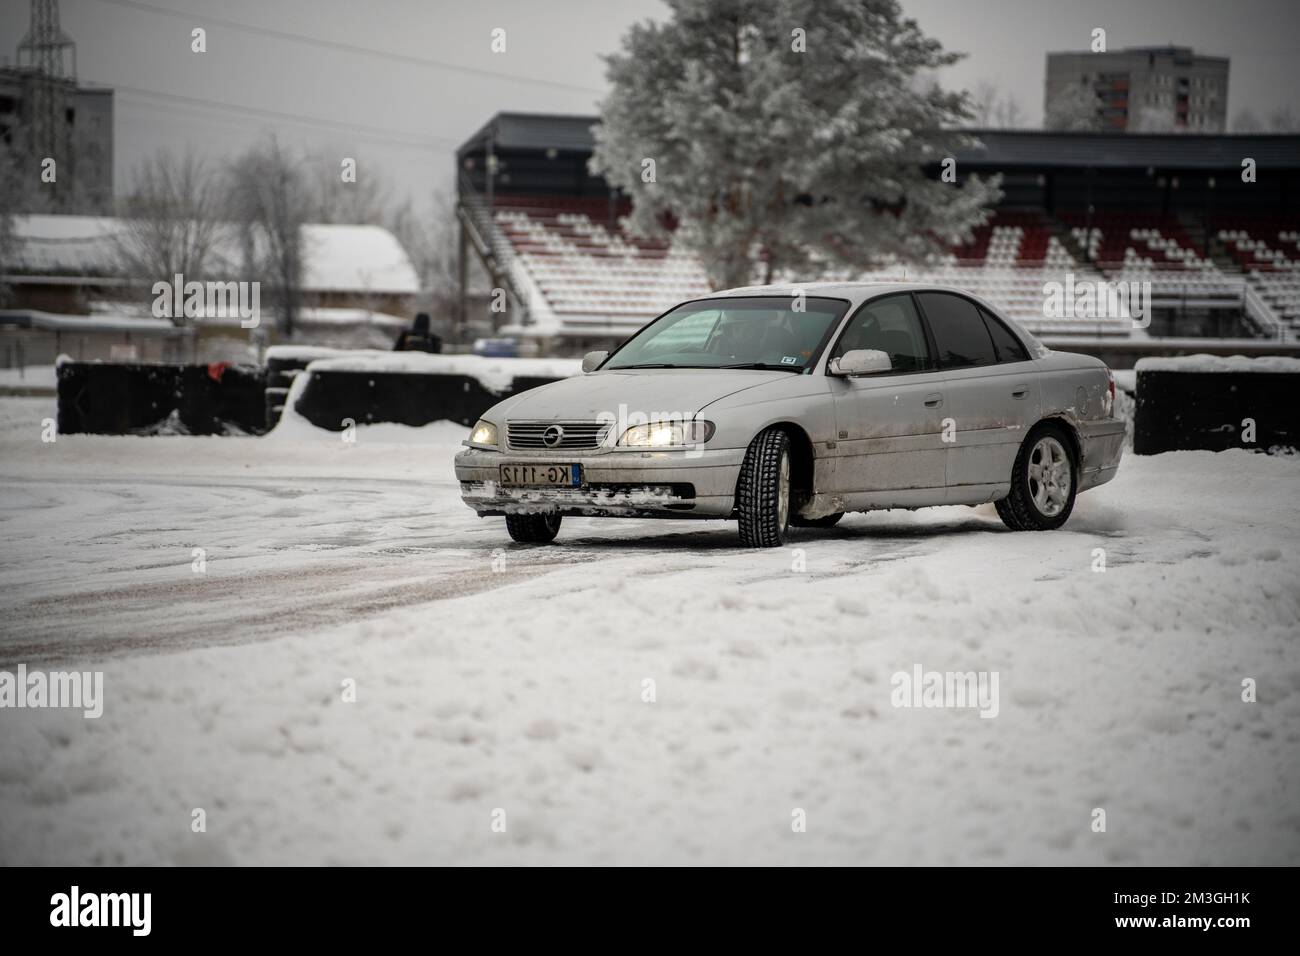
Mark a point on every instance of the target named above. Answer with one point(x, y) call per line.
point(787, 136)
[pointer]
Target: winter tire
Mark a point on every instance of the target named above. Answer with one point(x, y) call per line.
point(533, 529)
point(1044, 481)
point(763, 491)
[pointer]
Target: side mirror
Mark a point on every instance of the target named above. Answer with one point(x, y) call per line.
point(861, 362)
point(591, 361)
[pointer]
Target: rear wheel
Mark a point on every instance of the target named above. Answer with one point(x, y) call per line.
point(533, 529)
point(763, 491)
point(1043, 484)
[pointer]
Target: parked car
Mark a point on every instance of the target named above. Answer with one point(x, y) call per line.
point(496, 348)
point(779, 406)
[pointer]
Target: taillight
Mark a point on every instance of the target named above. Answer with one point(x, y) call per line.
point(1110, 379)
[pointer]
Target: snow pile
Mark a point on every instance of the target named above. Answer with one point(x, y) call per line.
point(31, 377)
point(300, 353)
point(1220, 363)
point(496, 375)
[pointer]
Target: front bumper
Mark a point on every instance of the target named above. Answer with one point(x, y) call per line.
point(623, 483)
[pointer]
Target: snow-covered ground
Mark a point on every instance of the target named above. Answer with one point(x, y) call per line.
point(34, 378)
point(492, 676)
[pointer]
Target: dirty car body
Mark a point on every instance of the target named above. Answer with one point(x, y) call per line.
point(804, 403)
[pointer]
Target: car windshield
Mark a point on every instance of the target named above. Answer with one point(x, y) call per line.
point(777, 332)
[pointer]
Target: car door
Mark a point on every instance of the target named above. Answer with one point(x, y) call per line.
point(991, 394)
point(889, 448)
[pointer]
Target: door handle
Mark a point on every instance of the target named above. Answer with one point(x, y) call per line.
point(933, 400)
point(1020, 391)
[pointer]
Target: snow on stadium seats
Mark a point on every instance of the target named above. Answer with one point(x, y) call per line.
point(588, 272)
point(594, 277)
point(1268, 251)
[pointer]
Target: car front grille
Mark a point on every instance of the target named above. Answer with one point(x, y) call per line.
point(524, 435)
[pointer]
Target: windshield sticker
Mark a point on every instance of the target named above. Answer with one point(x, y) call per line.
point(789, 360)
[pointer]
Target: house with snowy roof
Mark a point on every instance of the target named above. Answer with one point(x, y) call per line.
point(70, 292)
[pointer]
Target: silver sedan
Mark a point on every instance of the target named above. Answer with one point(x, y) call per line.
point(780, 405)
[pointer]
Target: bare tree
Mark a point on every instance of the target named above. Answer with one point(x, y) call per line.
point(333, 198)
point(169, 222)
point(429, 238)
point(269, 199)
point(11, 203)
point(982, 100)
point(1247, 121)
point(1282, 120)
point(1008, 113)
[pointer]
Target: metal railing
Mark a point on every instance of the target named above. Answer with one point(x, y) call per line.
point(498, 255)
point(1262, 313)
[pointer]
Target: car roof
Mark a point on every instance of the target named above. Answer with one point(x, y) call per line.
point(859, 292)
point(855, 292)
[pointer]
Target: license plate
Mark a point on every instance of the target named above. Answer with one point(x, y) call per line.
point(541, 475)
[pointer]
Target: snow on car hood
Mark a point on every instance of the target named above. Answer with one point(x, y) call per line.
point(681, 392)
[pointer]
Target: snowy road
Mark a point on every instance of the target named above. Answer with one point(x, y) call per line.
point(495, 676)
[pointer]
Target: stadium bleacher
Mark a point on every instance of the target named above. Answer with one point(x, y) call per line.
point(558, 242)
point(584, 267)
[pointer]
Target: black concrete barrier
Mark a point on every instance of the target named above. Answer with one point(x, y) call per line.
point(1198, 409)
point(405, 398)
point(103, 398)
point(283, 364)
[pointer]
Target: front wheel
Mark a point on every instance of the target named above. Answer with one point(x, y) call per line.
point(1043, 484)
point(763, 490)
point(533, 529)
point(826, 521)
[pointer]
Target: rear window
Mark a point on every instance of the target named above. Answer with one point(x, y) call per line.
point(1009, 347)
point(959, 332)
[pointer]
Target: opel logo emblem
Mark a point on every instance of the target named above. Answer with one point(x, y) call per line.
point(553, 435)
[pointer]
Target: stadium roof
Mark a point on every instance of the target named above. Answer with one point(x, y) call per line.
point(1031, 149)
point(1041, 148)
point(534, 131)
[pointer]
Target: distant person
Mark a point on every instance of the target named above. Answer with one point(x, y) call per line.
point(418, 338)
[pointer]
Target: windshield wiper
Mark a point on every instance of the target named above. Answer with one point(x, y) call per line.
point(766, 365)
point(614, 368)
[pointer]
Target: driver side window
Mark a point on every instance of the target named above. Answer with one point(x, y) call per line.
point(691, 333)
point(892, 326)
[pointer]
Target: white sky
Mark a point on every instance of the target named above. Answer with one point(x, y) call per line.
point(403, 119)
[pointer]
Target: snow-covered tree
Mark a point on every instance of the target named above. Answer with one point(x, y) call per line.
point(1075, 109)
point(1153, 119)
point(786, 135)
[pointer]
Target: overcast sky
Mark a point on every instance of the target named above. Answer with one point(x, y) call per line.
point(403, 113)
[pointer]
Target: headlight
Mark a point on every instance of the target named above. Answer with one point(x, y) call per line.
point(667, 434)
point(484, 433)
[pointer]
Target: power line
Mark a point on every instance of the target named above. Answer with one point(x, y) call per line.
point(235, 118)
point(379, 132)
point(386, 55)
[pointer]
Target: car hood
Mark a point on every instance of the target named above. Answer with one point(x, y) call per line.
point(652, 392)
